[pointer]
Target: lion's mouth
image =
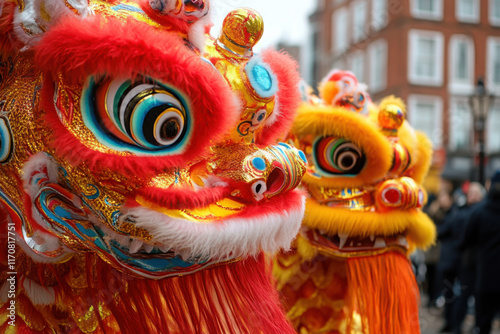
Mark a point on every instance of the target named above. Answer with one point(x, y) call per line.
point(344, 245)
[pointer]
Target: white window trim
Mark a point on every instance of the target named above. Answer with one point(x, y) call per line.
point(413, 99)
point(494, 21)
point(413, 78)
point(374, 87)
point(468, 19)
point(353, 10)
point(454, 86)
point(376, 26)
point(496, 105)
point(341, 11)
point(436, 16)
point(490, 64)
point(352, 58)
point(453, 103)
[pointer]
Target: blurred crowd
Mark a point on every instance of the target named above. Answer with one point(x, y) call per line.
point(462, 271)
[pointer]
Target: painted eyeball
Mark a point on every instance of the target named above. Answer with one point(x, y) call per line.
point(359, 100)
point(335, 156)
point(258, 118)
point(141, 116)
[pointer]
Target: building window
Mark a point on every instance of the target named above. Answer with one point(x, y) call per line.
point(493, 64)
point(467, 10)
point(494, 12)
point(358, 65)
point(461, 64)
point(378, 65)
point(460, 125)
point(359, 20)
point(380, 14)
point(427, 9)
point(425, 115)
point(340, 18)
point(425, 63)
point(492, 132)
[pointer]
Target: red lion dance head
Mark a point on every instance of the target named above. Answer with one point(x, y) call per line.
point(138, 183)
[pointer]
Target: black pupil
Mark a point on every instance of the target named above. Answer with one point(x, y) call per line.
point(347, 161)
point(258, 188)
point(169, 129)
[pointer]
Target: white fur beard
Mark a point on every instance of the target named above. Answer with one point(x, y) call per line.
point(234, 237)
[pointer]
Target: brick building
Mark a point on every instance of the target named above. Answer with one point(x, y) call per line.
point(428, 52)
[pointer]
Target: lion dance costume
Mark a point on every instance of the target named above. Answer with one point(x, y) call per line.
point(349, 270)
point(140, 178)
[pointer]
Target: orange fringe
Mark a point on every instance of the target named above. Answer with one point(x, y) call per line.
point(384, 291)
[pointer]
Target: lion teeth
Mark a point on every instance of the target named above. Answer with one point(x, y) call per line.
point(379, 243)
point(372, 237)
point(343, 239)
point(135, 245)
point(165, 249)
point(402, 241)
point(148, 248)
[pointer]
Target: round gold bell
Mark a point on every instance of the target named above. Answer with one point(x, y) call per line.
point(241, 31)
point(391, 117)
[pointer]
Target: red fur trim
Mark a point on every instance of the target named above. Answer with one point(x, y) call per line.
point(286, 202)
point(288, 96)
point(8, 41)
point(78, 49)
point(175, 198)
point(383, 290)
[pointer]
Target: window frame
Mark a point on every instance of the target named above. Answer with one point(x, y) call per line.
point(342, 11)
point(475, 18)
point(413, 100)
point(356, 56)
point(437, 15)
point(455, 85)
point(375, 24)
point(372, 48)
point(489, 126)
point(454, 101)
point(494, 21)
point(491, 42)
point(358, 36)
point(413, 77)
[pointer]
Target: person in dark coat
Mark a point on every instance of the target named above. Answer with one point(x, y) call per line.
point(482, 231)
point(451, 260)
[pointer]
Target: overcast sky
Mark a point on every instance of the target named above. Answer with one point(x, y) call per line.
point(284, 20)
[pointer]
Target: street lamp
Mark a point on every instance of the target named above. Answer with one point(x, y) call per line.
point(480, 103)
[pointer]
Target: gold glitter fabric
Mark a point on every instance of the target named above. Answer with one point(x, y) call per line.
point(112, 168)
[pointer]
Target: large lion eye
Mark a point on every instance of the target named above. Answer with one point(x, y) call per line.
point(338, 156)
point(139, 116)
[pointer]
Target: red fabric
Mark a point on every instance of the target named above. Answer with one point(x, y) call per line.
point(288, 96)
point(175, 198)
point(78, 49)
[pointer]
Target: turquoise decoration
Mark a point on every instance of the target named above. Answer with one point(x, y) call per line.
point(259, 163)
point(302, 156)
point(261, 77)
point(55, 204)
point(6, 140)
